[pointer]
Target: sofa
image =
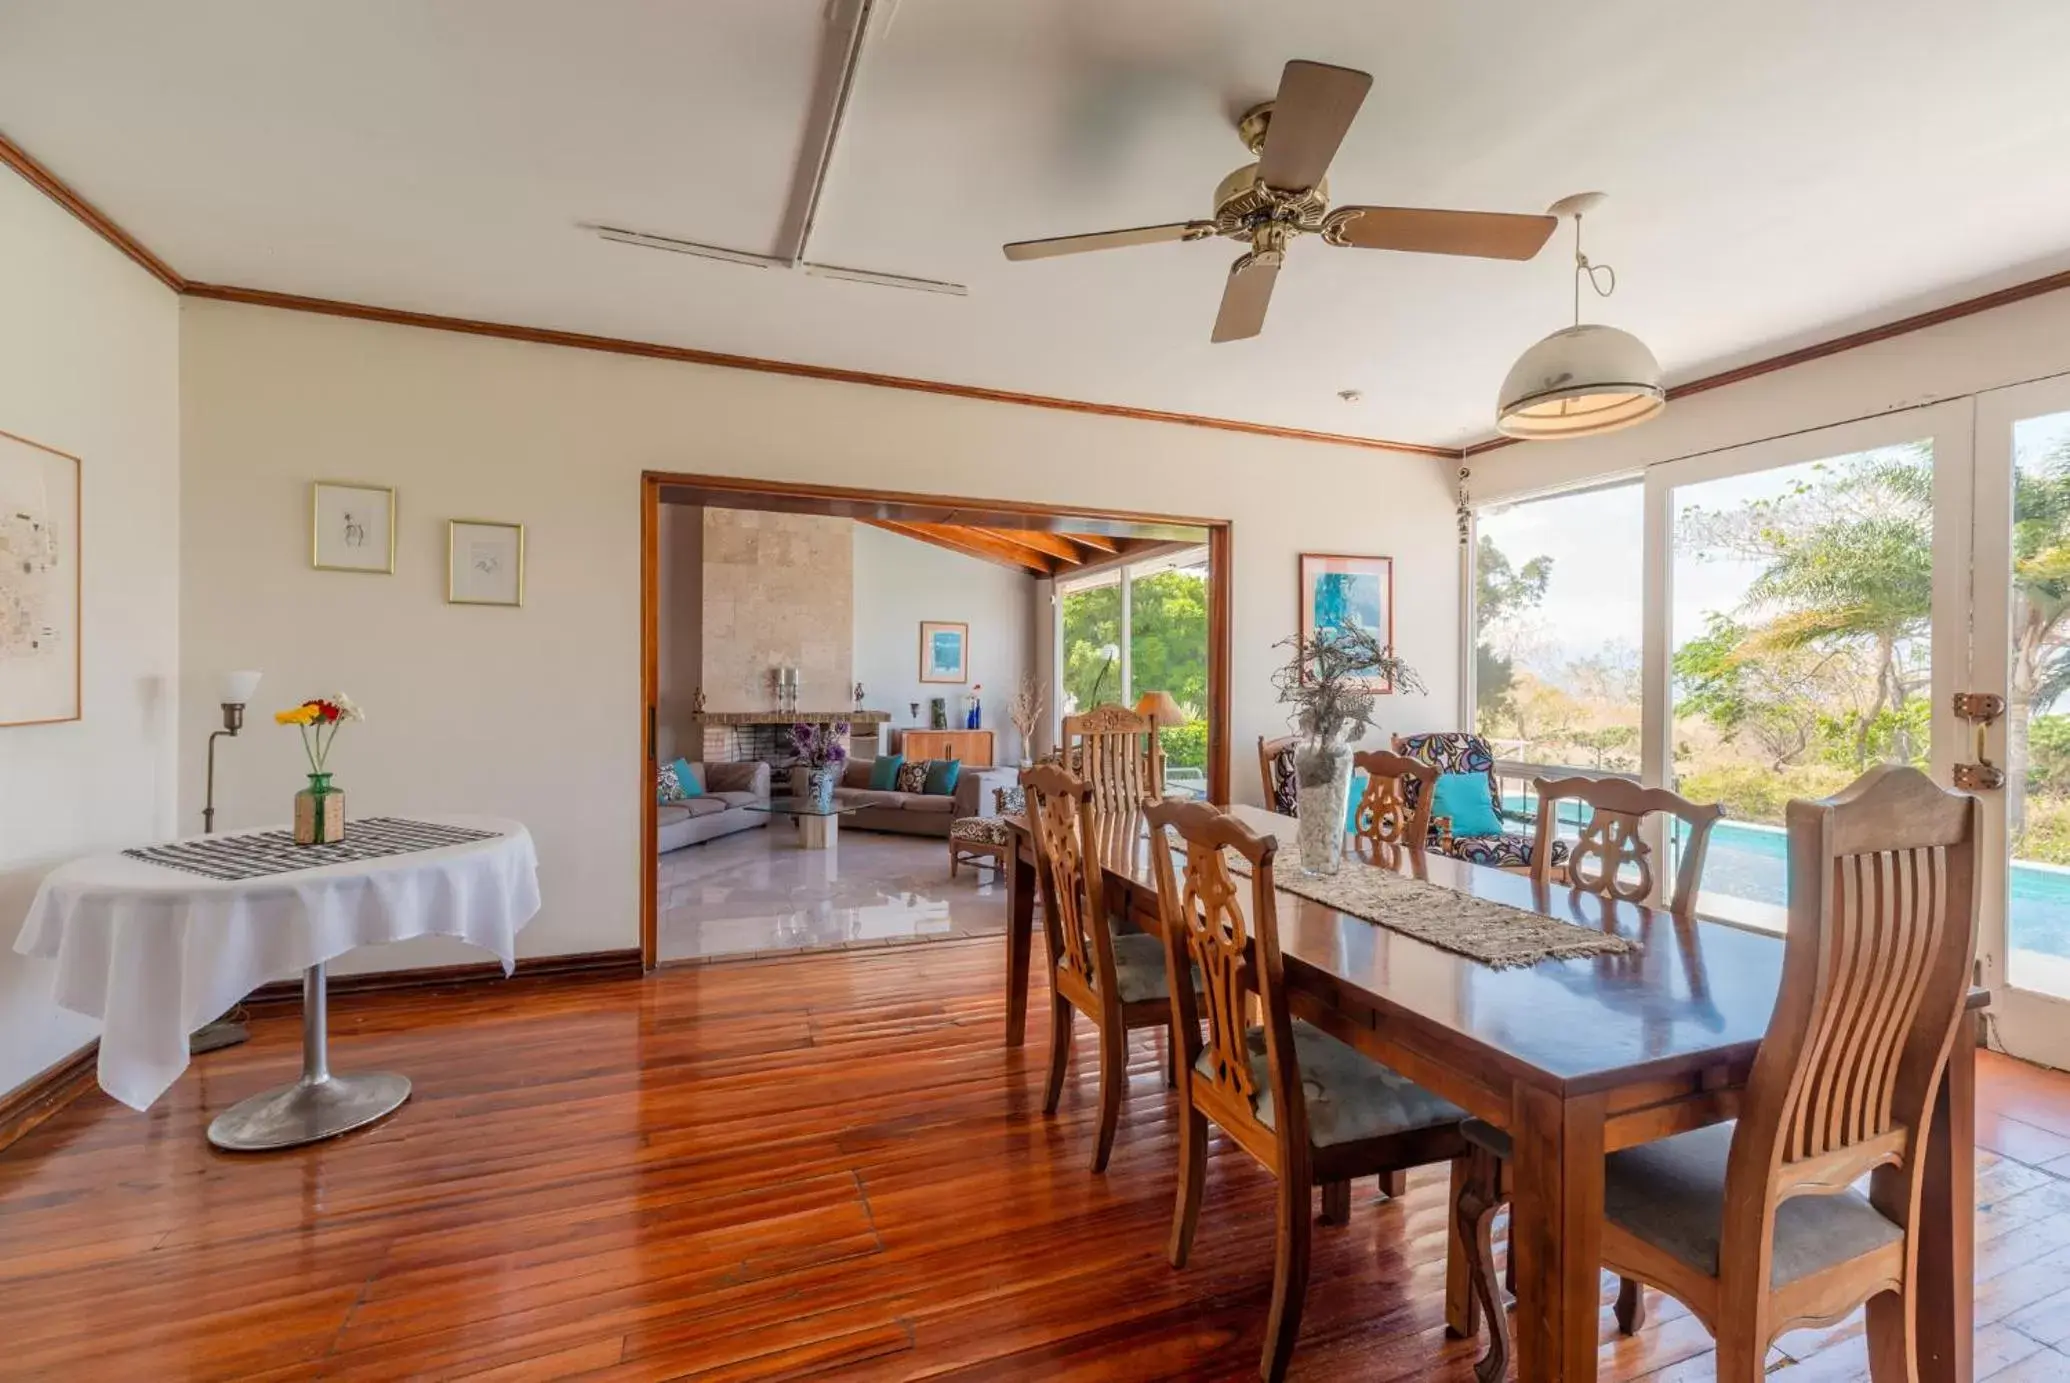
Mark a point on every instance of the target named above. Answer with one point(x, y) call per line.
point(911, 813)
point(729, 789)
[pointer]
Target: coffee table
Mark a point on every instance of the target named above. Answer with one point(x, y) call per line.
point(819, 828)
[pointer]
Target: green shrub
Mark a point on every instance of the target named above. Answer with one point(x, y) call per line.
point(1186, 746)
point(1754, 792)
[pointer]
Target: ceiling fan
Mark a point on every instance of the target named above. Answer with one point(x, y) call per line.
point(1284, 195)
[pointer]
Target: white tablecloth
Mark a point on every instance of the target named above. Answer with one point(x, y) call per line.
point(155, 952)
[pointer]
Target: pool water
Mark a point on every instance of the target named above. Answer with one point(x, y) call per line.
point(1749, 861)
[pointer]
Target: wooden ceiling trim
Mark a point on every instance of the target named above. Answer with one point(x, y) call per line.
point(1098, 542)
point(1055, 545)
point(55, 188)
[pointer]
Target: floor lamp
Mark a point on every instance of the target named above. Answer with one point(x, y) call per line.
point(238, 689)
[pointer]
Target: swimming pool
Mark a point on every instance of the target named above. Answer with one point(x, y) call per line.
point(1749, 861)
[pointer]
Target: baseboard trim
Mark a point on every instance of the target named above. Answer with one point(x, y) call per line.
point(47, 1092)
point(578, 964)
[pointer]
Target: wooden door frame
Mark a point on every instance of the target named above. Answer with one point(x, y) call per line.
point(652, 483)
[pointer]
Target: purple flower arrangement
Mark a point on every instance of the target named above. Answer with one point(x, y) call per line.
point(820, 746)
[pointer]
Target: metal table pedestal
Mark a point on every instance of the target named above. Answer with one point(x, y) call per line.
point(319, 1105)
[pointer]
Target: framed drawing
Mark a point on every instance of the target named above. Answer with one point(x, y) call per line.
point(39, 583)
point(944, 651)
point(351, 527)
point(485, 562)
point(1338, 592)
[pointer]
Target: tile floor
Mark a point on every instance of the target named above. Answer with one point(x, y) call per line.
point(759, 892)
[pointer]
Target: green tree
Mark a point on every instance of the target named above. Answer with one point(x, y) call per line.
point(1502, 593)
point(1774, 701)
point(1167, 644)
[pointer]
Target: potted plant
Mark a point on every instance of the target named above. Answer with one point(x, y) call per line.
point(319, 808)
point(822, 749)
point(1329, 681)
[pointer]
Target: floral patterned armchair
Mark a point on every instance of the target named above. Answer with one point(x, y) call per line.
point(1456, 752)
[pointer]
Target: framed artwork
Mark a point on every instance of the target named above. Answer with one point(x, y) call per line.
point(1340, 592)
point(351, 527)
point(39, 583)
point(944, 651)
point(485, 562)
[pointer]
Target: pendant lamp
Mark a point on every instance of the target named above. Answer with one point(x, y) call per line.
point(1585, 379)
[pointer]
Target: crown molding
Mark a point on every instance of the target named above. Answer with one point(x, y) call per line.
point(54, 187)
point(258, 297)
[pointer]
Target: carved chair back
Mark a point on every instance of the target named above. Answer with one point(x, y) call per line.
point(1061, 820)
point(1276, 773)
point(1611, 838)
point(1394, 812)
point(1876, 975)
point(1206, 924)
point(1117, 752)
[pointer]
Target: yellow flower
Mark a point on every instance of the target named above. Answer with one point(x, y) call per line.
point(300, 715)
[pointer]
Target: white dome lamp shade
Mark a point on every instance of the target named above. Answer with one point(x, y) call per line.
point(1586, 379)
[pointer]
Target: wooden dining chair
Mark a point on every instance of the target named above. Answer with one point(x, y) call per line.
point(1309, 1108)
point(1114, 978)
point(1612, 838)
point(1754, 1224)
point(1394, 812)
point(1276, 774)
point(1117, 753)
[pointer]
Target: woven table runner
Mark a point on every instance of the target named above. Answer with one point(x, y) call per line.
point(254, 856)
point(1495, 934)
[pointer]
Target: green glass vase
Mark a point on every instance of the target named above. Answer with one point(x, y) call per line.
point(319, 812)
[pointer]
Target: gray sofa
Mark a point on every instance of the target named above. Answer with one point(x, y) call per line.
point(721, 811)
point(912, 813)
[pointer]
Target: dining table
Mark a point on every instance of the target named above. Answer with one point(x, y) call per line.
point(1575, 1058)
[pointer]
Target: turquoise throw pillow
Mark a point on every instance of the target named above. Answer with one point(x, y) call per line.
point(1358, 795)
point(884, 772)
point(941, 777)
point(687, 781)
point(1466, 799)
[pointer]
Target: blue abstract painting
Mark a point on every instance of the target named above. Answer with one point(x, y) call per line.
point(1348, 593)
point(943, 651)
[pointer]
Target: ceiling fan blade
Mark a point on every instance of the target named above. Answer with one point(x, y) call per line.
point(1109, 240)
point(1484, 234)
point(1245, 297)
point(1310, 116)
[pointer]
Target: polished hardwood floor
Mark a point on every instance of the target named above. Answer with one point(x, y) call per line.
point(822, 1167)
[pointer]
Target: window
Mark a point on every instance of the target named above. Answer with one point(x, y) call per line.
point(1139, 628)
point(1802, 600)
point(1557, 629)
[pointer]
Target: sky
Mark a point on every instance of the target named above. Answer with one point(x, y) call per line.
point(1594, 539)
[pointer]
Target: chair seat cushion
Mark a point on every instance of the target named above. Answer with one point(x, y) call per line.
point(1509, 850)
point(1484, 1134)
point(1349, 1095)
point(980, 830)
point(1672, 1195)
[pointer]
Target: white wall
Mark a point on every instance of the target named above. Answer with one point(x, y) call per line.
point(535, 713)
point(901, 581)
point(89, 364)
point(1987, 350)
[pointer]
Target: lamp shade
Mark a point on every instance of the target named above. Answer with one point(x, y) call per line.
point(1580, 381)
point(239, 687)
point(1161, 709)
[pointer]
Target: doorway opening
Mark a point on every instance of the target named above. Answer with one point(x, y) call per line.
point(927, 641)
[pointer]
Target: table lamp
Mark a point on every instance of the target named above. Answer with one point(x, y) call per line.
point(237, 691)
point(1161, 709)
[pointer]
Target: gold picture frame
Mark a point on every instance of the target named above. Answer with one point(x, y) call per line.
point(337, 534)
point(940, 640)
point(476, 579)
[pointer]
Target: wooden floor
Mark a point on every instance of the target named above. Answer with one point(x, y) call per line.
point(819, 1167)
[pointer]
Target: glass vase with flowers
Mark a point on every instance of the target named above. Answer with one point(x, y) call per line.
point(320, 807)
point(1332, 681)
point(821, 750)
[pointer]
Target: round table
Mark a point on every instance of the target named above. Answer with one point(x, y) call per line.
point(155, 952)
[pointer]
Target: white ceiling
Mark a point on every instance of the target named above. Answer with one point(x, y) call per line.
point(1780, 172)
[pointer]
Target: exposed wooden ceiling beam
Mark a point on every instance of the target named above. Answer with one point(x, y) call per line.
point(1050, 544)
point(970, 542)
point(1098, 542)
